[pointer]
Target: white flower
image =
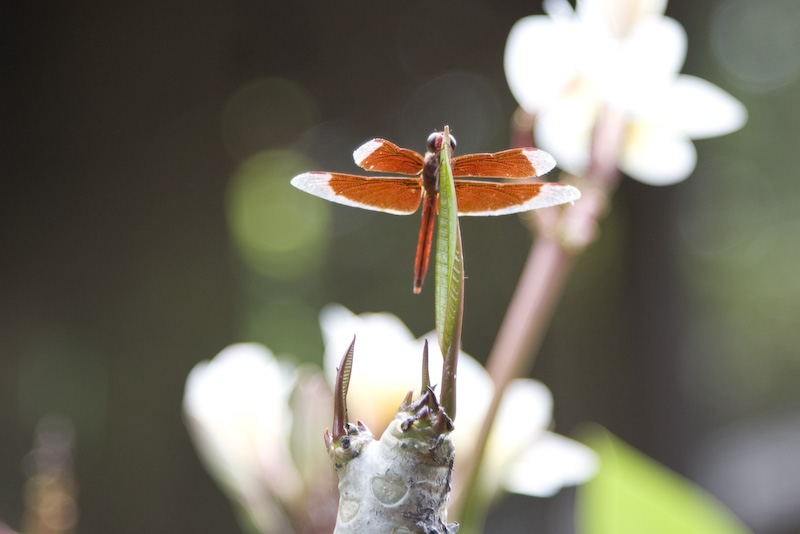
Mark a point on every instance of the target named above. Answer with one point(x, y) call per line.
point(619, 55)
point(521, 454)
point(237, 411)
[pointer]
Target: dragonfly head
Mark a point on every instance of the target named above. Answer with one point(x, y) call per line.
point(435, 142)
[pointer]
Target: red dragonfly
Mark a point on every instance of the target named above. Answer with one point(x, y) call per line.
point(402, 195)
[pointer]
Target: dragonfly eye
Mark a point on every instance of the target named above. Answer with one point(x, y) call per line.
point(434, 142)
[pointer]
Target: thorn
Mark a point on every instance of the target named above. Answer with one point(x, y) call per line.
point(424, 413)
point(433, 401)
point(340, 393)
point(407, 401)
point(426, 377)
point(443, 422)
point(422, 400)
point(405, 425)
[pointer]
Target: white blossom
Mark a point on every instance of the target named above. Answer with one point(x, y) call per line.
point(570, 66)
point(237, 411)
point(522, 455)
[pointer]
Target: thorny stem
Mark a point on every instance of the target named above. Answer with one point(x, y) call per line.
point(401, 482)
point(562, 235)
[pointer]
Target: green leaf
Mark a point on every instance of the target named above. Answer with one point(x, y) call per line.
point(633, 494)
point(449, 294)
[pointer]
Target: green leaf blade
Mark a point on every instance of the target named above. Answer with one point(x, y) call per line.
point(449, 266)
point(633, 494)
point(448, 258)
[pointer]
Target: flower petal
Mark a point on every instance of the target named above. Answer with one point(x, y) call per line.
point(524, 413)
point(558, 9)
point(375, 333)
point(564, 129)
point(312, 408)
point(385, 364)
point(237, 411)
point(656, 155)
point(550, 464)
point(645, 64)
point(701, 109)
point(540, 60)
point(620, 16)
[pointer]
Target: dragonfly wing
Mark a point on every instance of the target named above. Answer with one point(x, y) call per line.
point(514, 163)
point(489, 198)
point(381, 155)
point(400, 196)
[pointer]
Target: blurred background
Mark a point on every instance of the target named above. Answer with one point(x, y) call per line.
point(147, 221)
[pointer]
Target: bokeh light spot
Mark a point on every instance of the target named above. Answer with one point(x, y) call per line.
point(266, 113)
point(279, 231)
point(757, 42)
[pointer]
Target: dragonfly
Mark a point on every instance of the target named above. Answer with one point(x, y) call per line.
point(402, 195)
